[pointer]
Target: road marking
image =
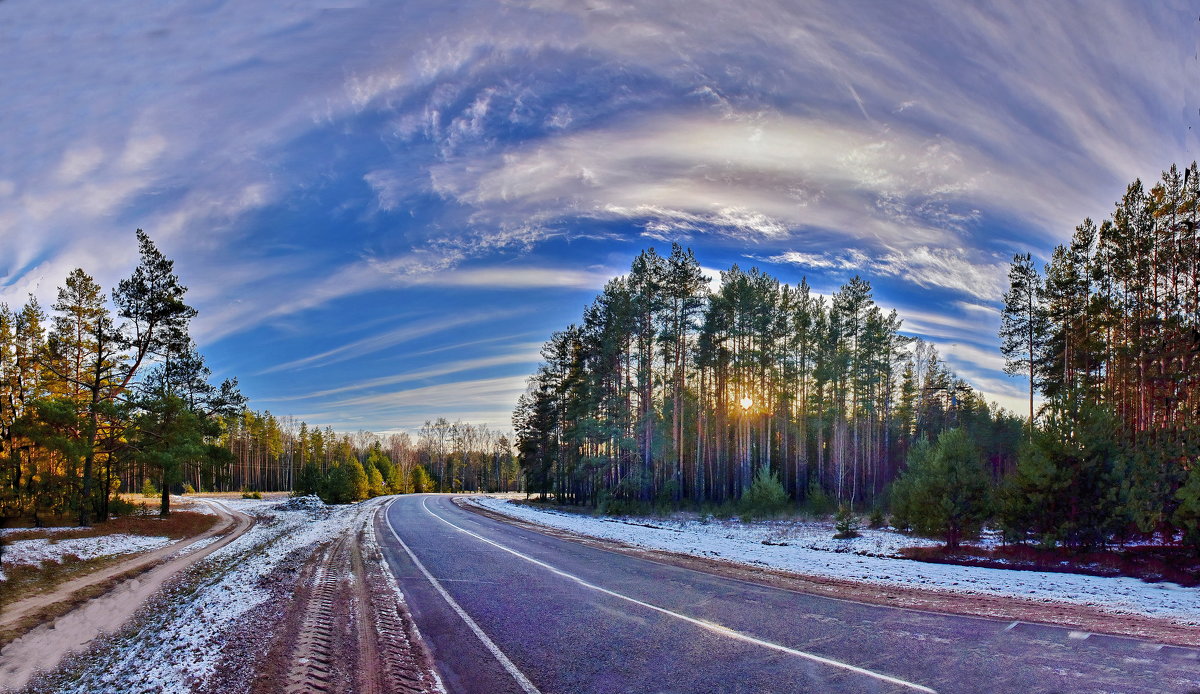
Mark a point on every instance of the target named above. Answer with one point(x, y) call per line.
point(517, 675)
point(715, 628)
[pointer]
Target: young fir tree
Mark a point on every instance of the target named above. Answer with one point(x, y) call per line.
point(1187, 514)
point(945, 491)
point(421, 481)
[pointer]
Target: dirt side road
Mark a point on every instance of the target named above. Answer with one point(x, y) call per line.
point(20, 611)
point(301, 602)
point(44, 646)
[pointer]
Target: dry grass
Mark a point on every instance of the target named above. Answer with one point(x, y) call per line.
point(235, 495)
point(25, 580)
point(178, 525)
point(1151, 563)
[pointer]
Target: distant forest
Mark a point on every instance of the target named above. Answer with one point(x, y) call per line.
point(269, 453)
point(667, 393)
point(106, 395)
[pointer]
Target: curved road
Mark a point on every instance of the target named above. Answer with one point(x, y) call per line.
point(504, 609)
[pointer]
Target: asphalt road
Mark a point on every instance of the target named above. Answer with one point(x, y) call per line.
point(504, 609)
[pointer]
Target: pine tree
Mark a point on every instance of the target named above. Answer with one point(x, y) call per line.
point(945, 490)
point(1023, 323)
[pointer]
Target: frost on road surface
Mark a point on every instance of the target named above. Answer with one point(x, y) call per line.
point(808, 548)
point(210, 627)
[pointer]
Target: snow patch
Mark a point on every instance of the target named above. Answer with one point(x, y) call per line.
point(182, 641)
point(36, 552)
point(808, 548)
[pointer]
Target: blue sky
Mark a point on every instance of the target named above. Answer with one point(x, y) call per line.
point(383, 209)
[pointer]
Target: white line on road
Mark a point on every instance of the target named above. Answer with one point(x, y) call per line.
point(519, 676)
point(715, 628)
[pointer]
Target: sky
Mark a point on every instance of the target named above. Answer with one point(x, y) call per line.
point(381, 210)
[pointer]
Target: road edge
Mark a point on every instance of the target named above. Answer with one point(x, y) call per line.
point(995, 608)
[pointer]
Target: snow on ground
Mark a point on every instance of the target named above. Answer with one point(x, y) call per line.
point(873, 558)
point(197, 545)
point(48, 531)
point(177, 640)
point(195, 505)
point(35, 552)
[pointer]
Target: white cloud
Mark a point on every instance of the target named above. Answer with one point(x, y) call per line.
point(714, 278)
point(457, 393)
point(77, 163)
point(518, 277)
point(758, 181)
point(141, 152)
point(411, 330)
point(526, 355)
point(924, 266)
point(792, 128)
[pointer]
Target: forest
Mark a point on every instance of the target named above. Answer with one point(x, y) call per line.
point(109, 394)
point(667, 393)
point(269, 453)
point(94, 391)
point(1108, 333)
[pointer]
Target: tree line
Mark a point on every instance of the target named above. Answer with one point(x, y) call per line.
point(667, 392)
point(268, 453)
point(93, 394)
point(107, 393)
point(1108, 333)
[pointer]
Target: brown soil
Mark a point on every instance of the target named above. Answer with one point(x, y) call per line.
point(178, 525)
point(40, 630)
point(342, 631)
point(236, 495)
point(1152, 564)
point(240, 667)
point(1082, 617)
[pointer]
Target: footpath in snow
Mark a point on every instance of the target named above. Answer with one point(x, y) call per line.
point(808, 548)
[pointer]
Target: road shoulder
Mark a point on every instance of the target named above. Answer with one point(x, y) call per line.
point(1079, 617)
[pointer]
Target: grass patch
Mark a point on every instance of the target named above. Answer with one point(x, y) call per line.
point(684, 510)
point(554, 506)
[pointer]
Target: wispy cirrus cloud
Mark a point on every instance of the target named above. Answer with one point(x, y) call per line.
point(757, 179)
point(409, 331)
point(530, 354)
point(924, 266)
point(482, 400)
point(296, 158)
